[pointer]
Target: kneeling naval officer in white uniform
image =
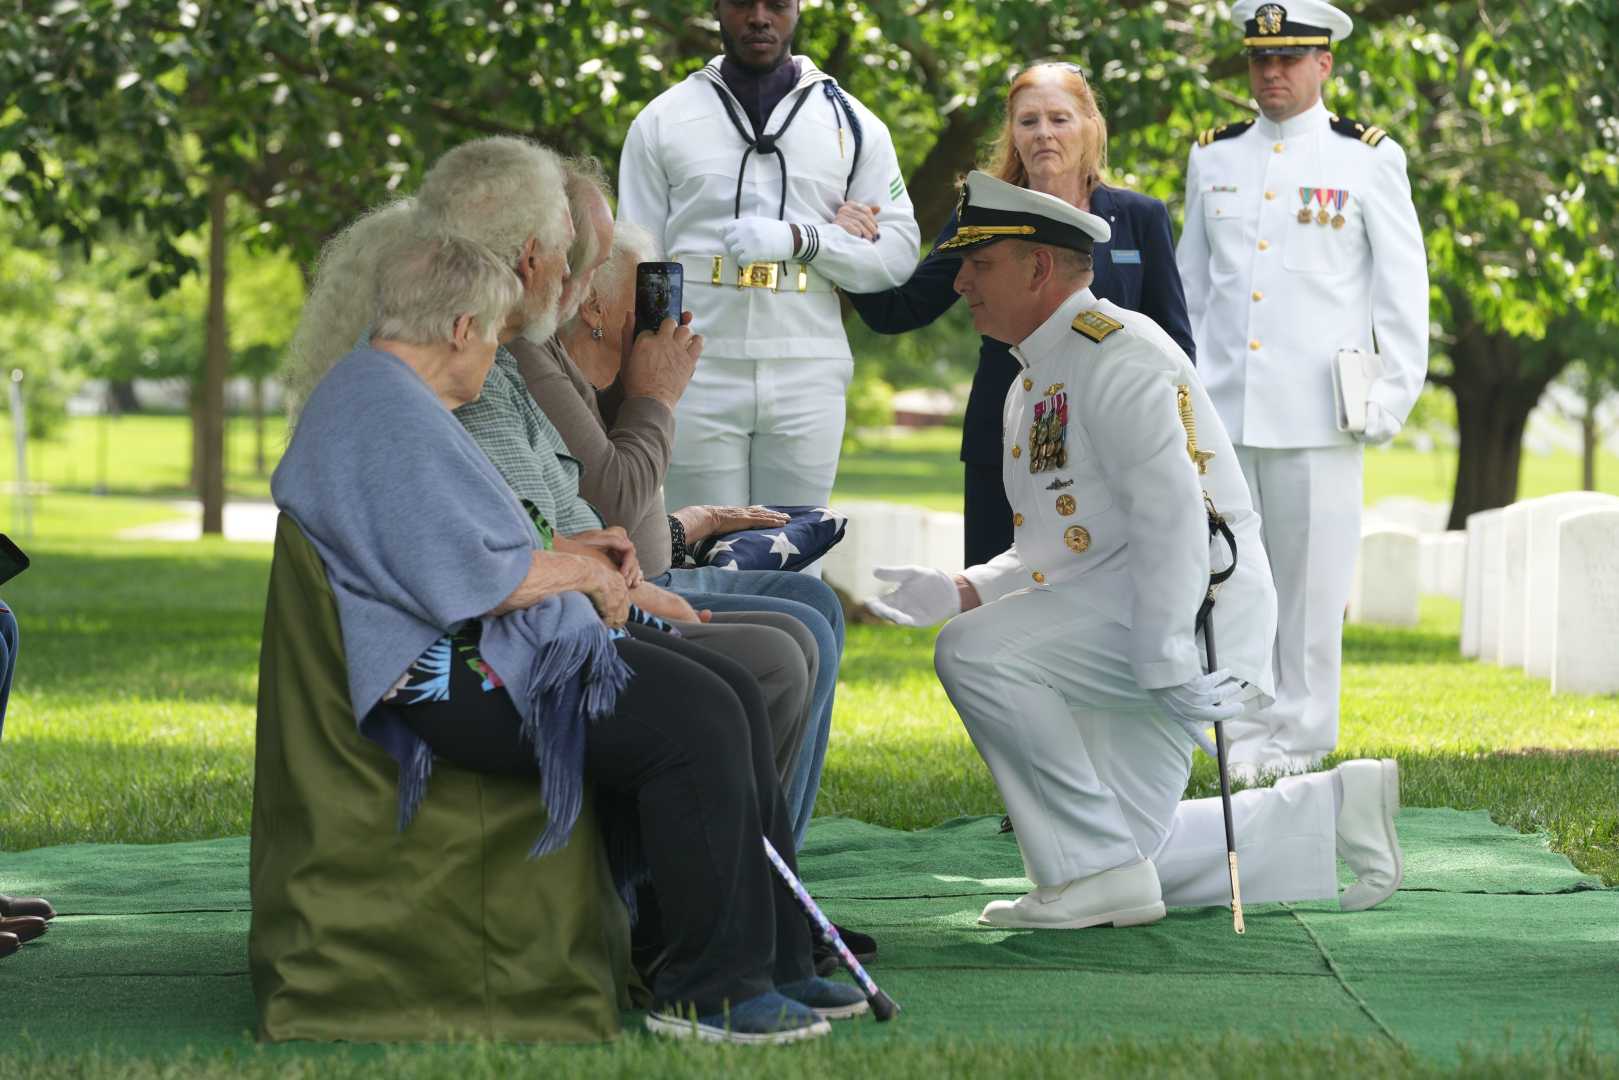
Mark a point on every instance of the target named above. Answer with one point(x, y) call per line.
point(1073, 657)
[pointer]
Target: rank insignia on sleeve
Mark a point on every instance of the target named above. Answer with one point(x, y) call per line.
point(1095, 325)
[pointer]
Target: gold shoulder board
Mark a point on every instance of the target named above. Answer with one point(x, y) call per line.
point(1095, 325)
point(1373, 136)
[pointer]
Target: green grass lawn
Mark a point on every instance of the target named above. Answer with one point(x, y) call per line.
point(132, 721)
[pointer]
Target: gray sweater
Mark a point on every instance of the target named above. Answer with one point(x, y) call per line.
point(623, 445)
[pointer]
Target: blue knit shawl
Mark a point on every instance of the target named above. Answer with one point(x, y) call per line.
point(419, 533)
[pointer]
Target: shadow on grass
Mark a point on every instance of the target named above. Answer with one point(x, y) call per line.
point(1365, 644)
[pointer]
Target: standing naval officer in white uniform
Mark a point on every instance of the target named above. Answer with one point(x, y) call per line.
point(1301, 240)
point(771, 186)
point(1075, 659)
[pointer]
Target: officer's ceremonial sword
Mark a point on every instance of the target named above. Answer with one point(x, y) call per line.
point(1217, 527)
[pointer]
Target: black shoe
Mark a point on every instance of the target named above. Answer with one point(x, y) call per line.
point(1006, 823)
point(864, 947)
point(26, 905)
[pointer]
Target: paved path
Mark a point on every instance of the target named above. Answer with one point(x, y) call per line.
point(244, 520)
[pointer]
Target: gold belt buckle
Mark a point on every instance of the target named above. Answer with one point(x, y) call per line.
point(759, 275)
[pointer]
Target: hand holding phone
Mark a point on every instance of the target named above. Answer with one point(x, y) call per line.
point(658, 294)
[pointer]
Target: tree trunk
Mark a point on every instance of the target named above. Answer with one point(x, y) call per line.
point(216, 361)
point(121, 396)
point(1588, 448)
point(1496, 382)
point(258, 425)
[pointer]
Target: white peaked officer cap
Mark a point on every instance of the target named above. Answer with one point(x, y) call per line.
point(992, 210)
point(1272, 28)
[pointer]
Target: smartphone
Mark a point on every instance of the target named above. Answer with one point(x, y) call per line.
point(658, 289)
point(12, 559)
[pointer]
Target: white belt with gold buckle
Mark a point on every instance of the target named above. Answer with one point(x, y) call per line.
point(722, 270)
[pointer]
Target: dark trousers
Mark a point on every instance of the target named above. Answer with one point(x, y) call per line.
point(689, 745)
point(986, 515)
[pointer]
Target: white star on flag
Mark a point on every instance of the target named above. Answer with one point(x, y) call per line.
point(720, 547)
point(780, 545)
point(829, 514)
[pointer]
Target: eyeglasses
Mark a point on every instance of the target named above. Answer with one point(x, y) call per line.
point(1066, 65)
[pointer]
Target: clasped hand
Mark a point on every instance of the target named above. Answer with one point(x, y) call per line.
point(758, 239)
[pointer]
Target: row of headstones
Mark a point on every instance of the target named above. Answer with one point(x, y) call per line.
point(1398, 566)
point(1542, 590)
point(889, 534)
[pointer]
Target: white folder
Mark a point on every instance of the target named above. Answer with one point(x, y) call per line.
point(1353, 373)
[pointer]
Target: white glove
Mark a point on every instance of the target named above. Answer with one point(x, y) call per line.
point(925, 596)
point(758, 239)
point(1199, 702)
point(1380, 425)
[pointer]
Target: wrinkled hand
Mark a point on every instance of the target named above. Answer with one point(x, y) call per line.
point(611, 547)
point(1380, 425)
point(758, 239)
point(858, 219)
point(701, 522)
point(606, 590)
point(925, 596)
point(659, 365)
point(1199, 702)
point(665, 604)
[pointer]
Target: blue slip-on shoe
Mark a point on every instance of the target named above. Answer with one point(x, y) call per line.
point(831, 1000)
point(759, 1021)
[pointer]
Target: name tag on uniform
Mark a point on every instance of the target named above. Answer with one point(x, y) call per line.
point(1127, 255)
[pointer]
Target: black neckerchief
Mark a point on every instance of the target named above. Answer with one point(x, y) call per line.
point(764, 144)
point(759, 94)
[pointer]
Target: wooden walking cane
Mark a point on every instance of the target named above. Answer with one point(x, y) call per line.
point(1217, 527)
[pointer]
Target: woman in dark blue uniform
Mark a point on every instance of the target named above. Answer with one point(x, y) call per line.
point(1055, 141)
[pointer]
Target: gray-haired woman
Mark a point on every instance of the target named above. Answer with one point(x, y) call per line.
point(468, 638)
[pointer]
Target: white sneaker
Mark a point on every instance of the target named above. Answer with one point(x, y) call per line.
point(1126, 896)
point(1366, 837)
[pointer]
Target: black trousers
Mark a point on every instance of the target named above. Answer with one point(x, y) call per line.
point(986, 515)
point(689, 745)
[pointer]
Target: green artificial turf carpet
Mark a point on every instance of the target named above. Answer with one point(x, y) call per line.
point(1494, 940)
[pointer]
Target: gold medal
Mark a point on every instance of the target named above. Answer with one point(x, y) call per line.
point(1066, 505)
point(1304, 216)
point(1062, 459)
point(1322, 217)
point(1077, 537)
point(1337, 221)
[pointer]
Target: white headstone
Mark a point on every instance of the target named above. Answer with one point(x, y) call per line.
point(890, 534)
point(1443, 563)
point(1585, 659)
point(1472, 582)
point(1489, 585)
point(1406, 512)
point(1514, 572)
point(1387, 580)
point(1540, 588)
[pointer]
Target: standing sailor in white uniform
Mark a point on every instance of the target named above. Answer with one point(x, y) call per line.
point(1074, 660)
point(771, 186)
point(1301, 240)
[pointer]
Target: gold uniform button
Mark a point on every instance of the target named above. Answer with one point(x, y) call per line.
point(1039, 578)
point(1264, 245)
point(1269, 195)
point(1277, 148)
point(1017, 521)
point(1254, 345)
point(1028, 384)
point(1077, 537)
point(1258, 296)
point(1017, 452)
point(1066, 505)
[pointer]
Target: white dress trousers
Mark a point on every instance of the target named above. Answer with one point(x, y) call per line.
point(1309, 508)
point(1092, 771)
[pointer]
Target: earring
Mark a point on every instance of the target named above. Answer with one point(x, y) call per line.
point(596, 333)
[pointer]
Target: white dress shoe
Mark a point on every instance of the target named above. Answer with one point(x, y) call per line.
point(1126, 896)
point(1366, 837)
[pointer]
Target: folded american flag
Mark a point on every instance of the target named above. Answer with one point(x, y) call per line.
point(809, 534)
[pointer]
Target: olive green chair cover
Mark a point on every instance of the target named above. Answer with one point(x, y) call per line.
point(445, 930)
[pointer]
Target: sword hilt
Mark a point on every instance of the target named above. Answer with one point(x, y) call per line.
point(1236, 895)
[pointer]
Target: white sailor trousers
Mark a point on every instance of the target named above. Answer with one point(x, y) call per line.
point(1309, 507)
point(1092, 771)
point(763, 430)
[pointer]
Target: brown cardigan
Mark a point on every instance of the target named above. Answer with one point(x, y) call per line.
point(623, 445)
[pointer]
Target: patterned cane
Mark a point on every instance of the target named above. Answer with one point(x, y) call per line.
point(883, 1007)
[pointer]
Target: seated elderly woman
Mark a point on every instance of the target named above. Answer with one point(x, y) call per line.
point(468, 638)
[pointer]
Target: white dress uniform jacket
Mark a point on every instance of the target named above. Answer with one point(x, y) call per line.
point(678, 178)
point(1272, 300)
point(1119, 515)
